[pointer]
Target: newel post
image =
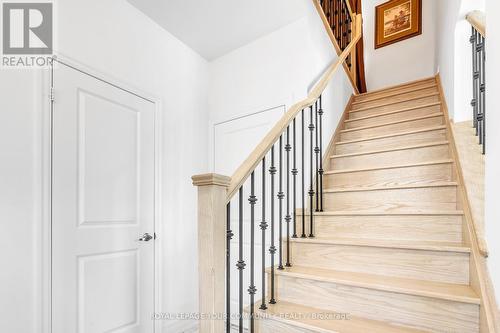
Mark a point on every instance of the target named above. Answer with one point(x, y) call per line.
point(212, 194)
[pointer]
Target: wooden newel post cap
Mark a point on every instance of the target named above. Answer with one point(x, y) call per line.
point(208, 179)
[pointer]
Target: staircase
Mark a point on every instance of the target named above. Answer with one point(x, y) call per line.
point(388, 253)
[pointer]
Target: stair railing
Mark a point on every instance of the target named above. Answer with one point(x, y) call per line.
point(289, 163)
point(337, 17)
point(478, 103)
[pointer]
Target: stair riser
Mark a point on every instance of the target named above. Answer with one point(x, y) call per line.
point(436, 228)
point(415, 155)
point(400, 97)
point(393, 128)
point(415, 311)
point(441, 266)
point(393, 200)
point(416, 175)
point(404, 115)
point(396, 90)
point(269, 325)
point(393, 107)
point(391, 142)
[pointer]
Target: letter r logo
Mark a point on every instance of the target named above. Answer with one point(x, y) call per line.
point(27, 28)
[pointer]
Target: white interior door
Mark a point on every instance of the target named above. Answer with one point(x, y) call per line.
point(102, 203)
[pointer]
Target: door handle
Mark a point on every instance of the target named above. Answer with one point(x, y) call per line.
point(146, 238)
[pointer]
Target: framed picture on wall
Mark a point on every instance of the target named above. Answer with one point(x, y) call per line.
point(397, 20)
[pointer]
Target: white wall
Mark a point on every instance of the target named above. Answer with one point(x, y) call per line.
point(453, 54)
point(408, 60)
point(275, 70)
point(17, 203)
point(492, 165)
point(114, 38)
point(445, 48)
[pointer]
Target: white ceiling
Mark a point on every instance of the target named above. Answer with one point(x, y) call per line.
point(215, 27)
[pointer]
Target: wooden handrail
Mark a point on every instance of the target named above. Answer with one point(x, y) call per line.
point(249, 165)
point(478, 20)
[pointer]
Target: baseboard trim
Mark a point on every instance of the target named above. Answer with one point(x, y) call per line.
point(180, 326)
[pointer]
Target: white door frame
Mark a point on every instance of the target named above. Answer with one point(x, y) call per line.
point(44, 106)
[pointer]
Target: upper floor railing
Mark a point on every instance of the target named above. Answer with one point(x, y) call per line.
point(478, 103)
point(338, 19)
point(284, 172)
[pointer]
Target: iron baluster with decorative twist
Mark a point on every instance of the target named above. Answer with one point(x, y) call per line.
point(478, 101)
point(287, 169)
point(263, 227)
point(252, 289)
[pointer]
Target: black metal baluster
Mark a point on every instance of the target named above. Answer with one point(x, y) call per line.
point(479, 48)
point(303, 174)
point(288, 217)
point(263, 227)
point(475, 77)
point(241, 263)
point(346, 24)
point(346, 13)
point(311, 189)
point(229, 236)
point(294, 173)
point(272, 249)
point(320, 112)
point(334, 14)
point(332, 22)
point(483, 91)
point(316, 154)
point(281, 195)
point(348, 34)
point(349, 28)
point(339, 22)
point(251, 289)
point(326, 10)
point(343, 26)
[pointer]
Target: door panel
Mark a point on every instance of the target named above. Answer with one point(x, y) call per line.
point(108, 160)
point(102, 203)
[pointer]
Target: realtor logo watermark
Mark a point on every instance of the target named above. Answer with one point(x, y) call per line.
point(27, 34)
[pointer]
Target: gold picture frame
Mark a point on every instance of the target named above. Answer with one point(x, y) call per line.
point(397, 20)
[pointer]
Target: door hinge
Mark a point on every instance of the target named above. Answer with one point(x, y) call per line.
point(51, 94)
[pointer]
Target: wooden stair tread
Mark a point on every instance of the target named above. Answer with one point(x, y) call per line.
point(440, 290)
point(434, 115)
point(383, 213)
point(398, 86)
point(390, 187)
point(427, 129)
point(395, 102)
point(394, 166)
point(287, 312)
point(368, 152)
point(397, 93)
point(393, 112)
point(408, 245)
